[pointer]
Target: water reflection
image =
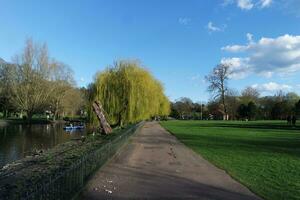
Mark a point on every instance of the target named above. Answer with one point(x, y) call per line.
point(17, 141)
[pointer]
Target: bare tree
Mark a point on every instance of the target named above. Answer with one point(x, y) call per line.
point(6, 72)
point(30, 86)
point(249, 94)
point(218, 85)
point(61, 77)
point(35, 83)
point(72, 102)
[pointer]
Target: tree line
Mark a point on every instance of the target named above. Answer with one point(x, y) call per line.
point(34, 83)
point(228, 104)
point(240, 107)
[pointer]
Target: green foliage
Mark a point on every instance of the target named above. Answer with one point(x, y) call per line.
point(36, 83)
point(129, 93)
point(185, 108)
point(251, 110)
point(247, 111)
point(263, 155)
point(297, 108)
point(242, 111)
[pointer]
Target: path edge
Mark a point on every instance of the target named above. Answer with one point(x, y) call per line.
point(211, 162)
point(140, 125)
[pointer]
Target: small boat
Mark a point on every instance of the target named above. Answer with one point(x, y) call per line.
point(73, 127)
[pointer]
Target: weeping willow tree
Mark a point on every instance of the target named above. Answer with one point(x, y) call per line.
point(129, 93)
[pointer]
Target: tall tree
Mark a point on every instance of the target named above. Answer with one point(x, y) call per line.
point(30, 89)
point(39, 83)
point(72, 102)
point(183, 108)
point(6, 72)
point(242, 111)
point(129, 93)
point(291, 98)
point(297, 109)
point(215, 112)
point(217, 80)
point(62, 82)
point(232, 103)
point(251, 110)
point(250, 94)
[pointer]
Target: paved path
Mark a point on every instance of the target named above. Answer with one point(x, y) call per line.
point(155, 165)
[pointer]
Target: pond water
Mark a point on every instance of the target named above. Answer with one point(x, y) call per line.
point(18, 141)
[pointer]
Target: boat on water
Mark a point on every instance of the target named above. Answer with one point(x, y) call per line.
point(73, 127)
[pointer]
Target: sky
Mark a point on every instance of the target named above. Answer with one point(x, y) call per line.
point(179, 41)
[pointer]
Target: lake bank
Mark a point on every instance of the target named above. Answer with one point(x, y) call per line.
point(63, 170)
point(5, 121)
point(18, 140)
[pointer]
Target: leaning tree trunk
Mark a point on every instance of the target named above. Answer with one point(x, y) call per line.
point(101, 117)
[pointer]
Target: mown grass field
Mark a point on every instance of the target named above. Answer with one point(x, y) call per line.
point(263, 155)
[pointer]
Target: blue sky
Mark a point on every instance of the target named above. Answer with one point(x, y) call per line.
point(178, 41)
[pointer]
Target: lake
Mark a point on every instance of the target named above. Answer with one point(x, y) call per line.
point(19, 140)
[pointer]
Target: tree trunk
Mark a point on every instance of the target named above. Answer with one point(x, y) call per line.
point(120, 122)
point(225, 117)
point(55, 114)
point(101, 117)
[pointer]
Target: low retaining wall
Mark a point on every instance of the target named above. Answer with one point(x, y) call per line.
point(62, 171)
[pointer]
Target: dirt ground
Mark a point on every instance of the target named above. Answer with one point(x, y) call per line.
point(155, 165)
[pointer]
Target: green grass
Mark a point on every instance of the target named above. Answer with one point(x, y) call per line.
point(263, 155)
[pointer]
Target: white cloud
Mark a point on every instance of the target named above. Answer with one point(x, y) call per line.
point(268, 56)
point(213, 28)
point(239, 48)
point(238, 70)
point(248, 4)
point(272, 87)
point(265, 3)
point(245, 4)
point(184, 20)
point(249, 37)
point(234, 48)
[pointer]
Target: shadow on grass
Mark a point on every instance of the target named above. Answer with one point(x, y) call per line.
point(246, 125)
point(274, 145)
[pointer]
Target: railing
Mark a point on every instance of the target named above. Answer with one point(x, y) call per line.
point(66, 184)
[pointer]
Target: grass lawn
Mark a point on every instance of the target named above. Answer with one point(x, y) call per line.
point(263, 155)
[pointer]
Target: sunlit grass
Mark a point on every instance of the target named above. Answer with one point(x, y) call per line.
point(263, 155)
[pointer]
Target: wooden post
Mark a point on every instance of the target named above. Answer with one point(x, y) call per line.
point(101, 117)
